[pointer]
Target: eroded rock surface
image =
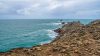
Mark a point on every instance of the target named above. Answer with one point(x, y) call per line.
point(74, 39)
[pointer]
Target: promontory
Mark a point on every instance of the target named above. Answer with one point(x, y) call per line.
point(74, 39)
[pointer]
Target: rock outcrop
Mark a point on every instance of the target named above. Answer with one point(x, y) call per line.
point(74, 39)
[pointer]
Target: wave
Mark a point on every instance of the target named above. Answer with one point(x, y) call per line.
point(51, 33)
point(51, 23)
point(45, 33)
point(34, 33)
point(45, 42)
point(29, 34)
point(55, 23)
point(48, 32)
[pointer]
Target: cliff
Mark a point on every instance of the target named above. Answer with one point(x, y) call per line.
point(74, 39)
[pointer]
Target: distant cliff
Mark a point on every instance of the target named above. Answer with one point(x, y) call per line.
point(74, 39)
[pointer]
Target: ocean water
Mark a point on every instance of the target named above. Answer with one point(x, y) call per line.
point(17, 33)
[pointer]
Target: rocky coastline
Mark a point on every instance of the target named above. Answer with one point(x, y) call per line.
point(74, 39)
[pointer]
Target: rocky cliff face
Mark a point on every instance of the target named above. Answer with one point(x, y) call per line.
point(74, 39)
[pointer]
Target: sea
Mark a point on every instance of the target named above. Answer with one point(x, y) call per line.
point(19, 33)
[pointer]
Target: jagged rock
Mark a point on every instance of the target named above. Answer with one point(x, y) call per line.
point(76, 51)
point(59, 31)
point(63, 51)
point(96, 22)
point(38, 48)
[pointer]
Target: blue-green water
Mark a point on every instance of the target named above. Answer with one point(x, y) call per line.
point(27, 33)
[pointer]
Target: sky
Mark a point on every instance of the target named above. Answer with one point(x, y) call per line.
point(49, 9)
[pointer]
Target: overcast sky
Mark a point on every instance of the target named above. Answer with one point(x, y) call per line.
point(46, 9)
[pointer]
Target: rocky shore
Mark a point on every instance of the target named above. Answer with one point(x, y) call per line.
point(74, 39)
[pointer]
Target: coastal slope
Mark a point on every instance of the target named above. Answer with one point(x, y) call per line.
point(74, 39)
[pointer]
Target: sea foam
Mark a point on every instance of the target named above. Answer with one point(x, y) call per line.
point(51, 33)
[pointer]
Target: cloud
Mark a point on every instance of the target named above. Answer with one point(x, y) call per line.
point(29, 10)
point(50, 8)
point(3, 8)
point(88, 13)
